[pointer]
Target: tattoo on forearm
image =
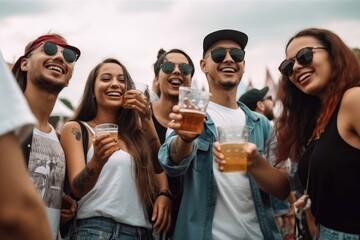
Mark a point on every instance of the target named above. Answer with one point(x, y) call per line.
point(76, 133)
point(81, 180)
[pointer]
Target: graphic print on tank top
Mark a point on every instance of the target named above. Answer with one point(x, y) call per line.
point(47, 168)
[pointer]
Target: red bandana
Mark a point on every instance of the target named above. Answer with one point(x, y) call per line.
point(36, 43)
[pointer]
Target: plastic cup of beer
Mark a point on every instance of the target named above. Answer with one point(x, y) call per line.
point(192, 104)
point(110, 128)
point(233, 141)
point(142, 87)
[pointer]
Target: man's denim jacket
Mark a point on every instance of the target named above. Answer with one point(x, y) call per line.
point(197, 208)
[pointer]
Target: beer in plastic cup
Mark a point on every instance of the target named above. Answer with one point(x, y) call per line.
point(233, 141)
point(192, 104)
point(110, 128)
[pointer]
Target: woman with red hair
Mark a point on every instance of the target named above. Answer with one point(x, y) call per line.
point(319, 127)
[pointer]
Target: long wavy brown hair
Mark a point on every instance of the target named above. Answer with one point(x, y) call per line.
point(129, 131)
point(304, 117)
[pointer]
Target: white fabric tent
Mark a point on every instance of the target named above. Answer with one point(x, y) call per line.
point(61, 110)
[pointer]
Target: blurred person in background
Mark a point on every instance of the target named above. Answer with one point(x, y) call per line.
point(22, 213)
point(257, 100)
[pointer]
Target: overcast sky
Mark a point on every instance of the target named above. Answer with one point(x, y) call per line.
point(133, 31)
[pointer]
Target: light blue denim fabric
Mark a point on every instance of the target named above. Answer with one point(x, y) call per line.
point(280, 207)
point(330, 234)
point(197, 208)
point(100, 228)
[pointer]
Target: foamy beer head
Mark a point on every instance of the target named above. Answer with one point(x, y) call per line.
point(233, 141)
point(192, 104)
point(106, 128)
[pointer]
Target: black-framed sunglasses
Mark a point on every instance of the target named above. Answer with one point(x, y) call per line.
point(304, 57)
point(218, 55)
point(169, 67)
point(50, 49)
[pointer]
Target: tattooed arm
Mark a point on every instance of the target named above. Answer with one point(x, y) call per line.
point(82, 176)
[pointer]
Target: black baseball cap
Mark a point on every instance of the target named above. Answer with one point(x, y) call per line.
point(252, 96)
point(237, 36)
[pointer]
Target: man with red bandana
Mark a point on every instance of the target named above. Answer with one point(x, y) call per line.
point(42, 72)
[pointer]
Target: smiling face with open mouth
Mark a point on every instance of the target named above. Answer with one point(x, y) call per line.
point(51, 73)
point(170, 79)
point(311, 78)
point(225, 72)
point(110, 85)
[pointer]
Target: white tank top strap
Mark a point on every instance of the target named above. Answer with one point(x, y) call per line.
point(89, 127)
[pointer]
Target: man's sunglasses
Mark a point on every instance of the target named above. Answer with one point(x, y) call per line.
point(218, 55)
point(304, 57)
point(169, 67)
point(50, 49)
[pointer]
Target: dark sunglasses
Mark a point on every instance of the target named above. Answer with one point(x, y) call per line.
point(50, 49)
point(218, 55)
point(304, 57)
point(169, 67)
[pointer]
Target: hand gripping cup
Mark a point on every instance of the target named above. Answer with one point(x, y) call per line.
point(233, 141)
point(192, 104)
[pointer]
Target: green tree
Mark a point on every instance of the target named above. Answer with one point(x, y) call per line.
point(67, 103)
point(357, 52)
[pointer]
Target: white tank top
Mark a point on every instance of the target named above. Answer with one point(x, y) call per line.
point(115, 193)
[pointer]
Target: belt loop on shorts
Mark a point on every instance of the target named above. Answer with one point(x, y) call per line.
point(117, 229)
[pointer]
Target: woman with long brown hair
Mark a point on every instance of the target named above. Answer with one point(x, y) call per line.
point(115, 181)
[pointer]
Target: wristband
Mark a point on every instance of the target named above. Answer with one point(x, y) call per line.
point(166, 193)
point(188, 140)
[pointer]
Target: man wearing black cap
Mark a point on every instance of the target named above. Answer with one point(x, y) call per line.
point(256, 100)
point(42, 72)
point(218, 205)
